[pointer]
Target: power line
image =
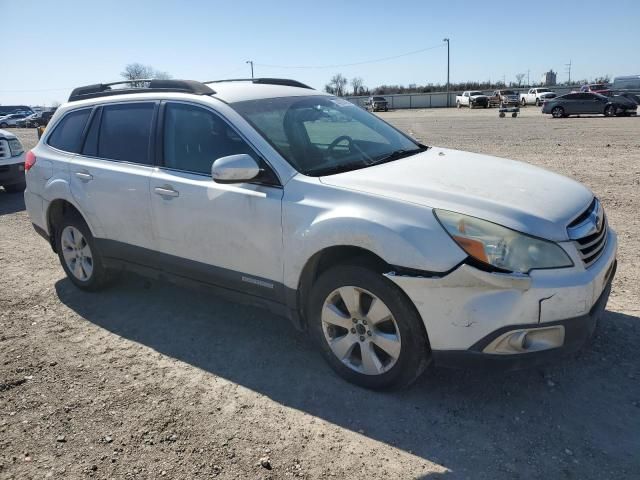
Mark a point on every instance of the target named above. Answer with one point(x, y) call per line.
point(339, 65)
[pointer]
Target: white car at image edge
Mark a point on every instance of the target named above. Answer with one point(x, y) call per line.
point(11, 162)
point(392, 254)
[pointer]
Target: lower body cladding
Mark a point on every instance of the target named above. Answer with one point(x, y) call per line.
point(476, 318)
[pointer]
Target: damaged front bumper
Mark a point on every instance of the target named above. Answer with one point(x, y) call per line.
point(477, 318)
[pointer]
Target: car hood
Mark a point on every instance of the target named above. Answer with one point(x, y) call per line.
point(514, 194)
point(6, 135)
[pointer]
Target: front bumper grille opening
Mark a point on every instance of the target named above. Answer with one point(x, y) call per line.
point(592, 245)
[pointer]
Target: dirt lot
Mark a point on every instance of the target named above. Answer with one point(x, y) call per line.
point(146, 380)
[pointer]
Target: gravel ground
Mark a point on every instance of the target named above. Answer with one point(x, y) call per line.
point(146, 380)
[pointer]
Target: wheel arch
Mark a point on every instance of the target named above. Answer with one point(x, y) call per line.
point(56, 210)
point(329, 257)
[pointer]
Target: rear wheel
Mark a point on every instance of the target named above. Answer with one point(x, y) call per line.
point(610, 111)
point(458, 104)
point(367, 329)
point(78, 254)
point(557, 112)
point(4, 125)
point(523, 102)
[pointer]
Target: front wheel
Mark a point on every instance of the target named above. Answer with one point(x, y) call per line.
point(367, 329)
point(557, 112)
point(78, 254)
point(610, 111)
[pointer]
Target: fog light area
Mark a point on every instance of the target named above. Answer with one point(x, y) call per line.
point(527, 340)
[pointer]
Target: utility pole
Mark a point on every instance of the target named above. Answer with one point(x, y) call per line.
point(447, 40)
point(251, 63)
point(568, 70)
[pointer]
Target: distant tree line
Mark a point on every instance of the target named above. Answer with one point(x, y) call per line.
point(338, 85)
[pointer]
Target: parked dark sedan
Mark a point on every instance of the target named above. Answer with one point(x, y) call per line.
point(589, 103)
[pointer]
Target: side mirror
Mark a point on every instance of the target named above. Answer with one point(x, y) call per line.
point(239, 168)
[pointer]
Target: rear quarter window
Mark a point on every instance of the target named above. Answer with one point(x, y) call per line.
point(67, 134)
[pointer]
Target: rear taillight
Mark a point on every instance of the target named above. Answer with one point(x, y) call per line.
point(29, 160)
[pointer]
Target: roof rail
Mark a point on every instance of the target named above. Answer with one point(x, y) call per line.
point(139, 86)
point(265, 81)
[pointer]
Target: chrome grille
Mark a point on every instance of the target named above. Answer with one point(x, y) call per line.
point(589, 232)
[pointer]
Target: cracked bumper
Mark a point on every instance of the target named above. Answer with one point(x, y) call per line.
point(468, 308)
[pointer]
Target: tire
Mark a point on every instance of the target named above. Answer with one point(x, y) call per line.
point(16, 187)
point(538, 103)
point(610, 111)
point(458, 104)
point(523, 102)
point(83, 250)
point(501, 115)
point(557, 112)
point(4, 125)
point(402, 332)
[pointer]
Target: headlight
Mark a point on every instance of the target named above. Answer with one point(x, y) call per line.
point(501, 247)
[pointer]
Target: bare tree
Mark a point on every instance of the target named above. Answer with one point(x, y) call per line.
point(137, 71)
point(520, 78)
point(337, 84)
point(357, 84)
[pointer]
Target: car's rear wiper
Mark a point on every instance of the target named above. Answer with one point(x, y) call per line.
point(398, 154)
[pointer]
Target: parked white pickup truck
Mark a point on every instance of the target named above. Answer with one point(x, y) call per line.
point(471, 99)
point(536, 96)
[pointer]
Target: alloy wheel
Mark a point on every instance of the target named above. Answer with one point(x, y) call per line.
point(360, 330)
point(77, 253)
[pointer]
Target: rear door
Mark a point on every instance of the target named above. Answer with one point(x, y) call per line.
point(226, 235)
point(590, 103)
point(110, 178)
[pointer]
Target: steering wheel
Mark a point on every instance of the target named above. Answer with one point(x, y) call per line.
point(335, 143)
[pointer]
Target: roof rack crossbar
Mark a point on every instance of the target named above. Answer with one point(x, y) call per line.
point(140, 86)
point(265, 81)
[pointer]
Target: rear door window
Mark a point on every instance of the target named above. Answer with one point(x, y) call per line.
point(67, 135)
point(125, 132)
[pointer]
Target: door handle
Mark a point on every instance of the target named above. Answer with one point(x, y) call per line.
point(86, 176)
point(166, 191)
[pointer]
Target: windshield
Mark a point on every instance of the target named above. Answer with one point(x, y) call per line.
point(508, 92)
point(543, 90)
point(598, 86)
point(473, 94)
point(322, 135)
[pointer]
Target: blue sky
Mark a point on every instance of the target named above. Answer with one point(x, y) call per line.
point(50, 47)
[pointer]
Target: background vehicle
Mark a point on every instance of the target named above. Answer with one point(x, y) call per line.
point(589, 103)
point(9, 109)
point(11, 120)
point(536, 96)
point(471, 99)
point(594, 88)
point(37, 119)
point(377, 103)
point(628, 85)
point(503, 97)
point(11, 162)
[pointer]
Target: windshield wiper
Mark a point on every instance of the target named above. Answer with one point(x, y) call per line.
point(337, 169)
point(398, 154)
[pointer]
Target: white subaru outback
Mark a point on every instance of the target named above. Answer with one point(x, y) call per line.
point(391, 253)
